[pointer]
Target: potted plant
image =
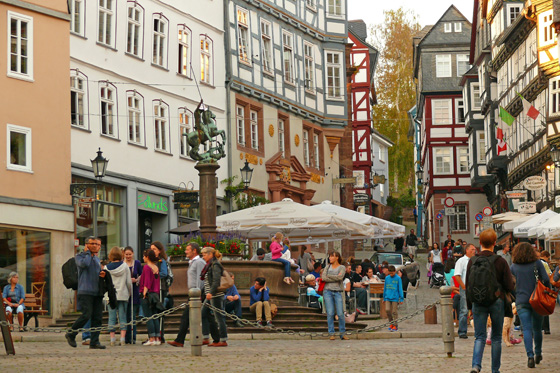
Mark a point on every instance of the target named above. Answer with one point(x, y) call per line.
point(176, 252)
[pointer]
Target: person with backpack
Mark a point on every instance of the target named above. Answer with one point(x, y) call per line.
point(525, 267)
point(488, 280)
point(460, 275)
point(166, 279)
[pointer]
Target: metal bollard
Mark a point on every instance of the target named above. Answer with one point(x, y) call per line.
point(195, 322)
point(448, 330)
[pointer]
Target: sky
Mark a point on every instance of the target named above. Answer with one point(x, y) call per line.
point(428, 11)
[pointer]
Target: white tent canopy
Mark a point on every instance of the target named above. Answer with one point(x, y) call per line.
point(510, 225)
point(507, 217)
point(522, 230)
point(298, 222)
point(540, 231)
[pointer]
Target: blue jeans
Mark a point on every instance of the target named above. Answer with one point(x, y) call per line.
point(122, 306)
point(131, 314)
point(331, 300)
point(532, 329)
point(463, 312)
point(212, 322)
point(287, 265)
point(153, 325)
point(480, 317)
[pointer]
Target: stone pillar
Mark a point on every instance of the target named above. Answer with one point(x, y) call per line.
point(207, 198)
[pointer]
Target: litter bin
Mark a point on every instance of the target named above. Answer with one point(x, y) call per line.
point(430, 315)
point(399, 219)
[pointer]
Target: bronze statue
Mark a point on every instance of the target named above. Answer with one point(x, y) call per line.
point(204, 133)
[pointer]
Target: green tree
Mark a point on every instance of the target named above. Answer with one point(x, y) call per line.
point(396, 91)
point(235, 191)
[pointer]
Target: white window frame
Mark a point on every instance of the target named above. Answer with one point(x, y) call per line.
point(334, 8)
point(443, 62)
point(135, 30)
point(511, 10)
point(288, 57)
point(381, 153)
point(75, 93)
point(108, 104)
point(305, 141)
point(135, 118)
point(309, 65)
point(254, 125)
point(462, 156)
point(310, 4)
point(457, 27)
point(333, 76)
point(475, 103)
point(17, 73)
point(438, 106)
point(159, 40)
point(481, 147)
point(243, 36)
point(447, 27)
point(185, 119)
point(460, 103)
point(266, 46)
point(240, 124)
point(206, 59)
point(316, 150)
point(28, 148)
point(454, 219)
point(77, 17)
point(281, 136)
point(461, 58)
point(547, 33)
point(554, 93)
point(439, 169)
point(161, 126)
point(105, 22)
point(184, 36)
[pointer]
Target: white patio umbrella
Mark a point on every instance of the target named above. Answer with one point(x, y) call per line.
point(510, 225)
point(294, 220)
point(506, 217)
point(553, 235)
point(540, 231)
point(522, 230)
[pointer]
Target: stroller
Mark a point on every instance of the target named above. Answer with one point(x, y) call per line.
point(438, 278)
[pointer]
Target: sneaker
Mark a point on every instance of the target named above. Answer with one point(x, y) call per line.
point(463, 336)
point(269, 323)
point(359, 311)
point(259, 324)
point(71, 340)
point(517, 328)
point(157, 342)
point(516, 341)
point(175, 344)
point(205, 342)
point(488, 341)
point(85, 342)
point(395, 329)
point(149, 343)
point(98, 346)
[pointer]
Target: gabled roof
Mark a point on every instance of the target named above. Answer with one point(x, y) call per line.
point(381, 137)
point(449, 13)
point(416, 39)
point(471, 73)
point(358, 29)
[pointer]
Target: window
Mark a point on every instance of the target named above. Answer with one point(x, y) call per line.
point(382, 190)
point(334, 8)
point(442, 159)
point(458, 26)
point(77, 17)
point(287, 44)
point(135, 106)
point(513, 12)
point(555, 96)
point(243, 35)
point(334, 74)
point(78, 100)
point(441, 111)
point(281, 139)
point(382, 151)
point(481, 148)
point(159, 55)
point(463, 64)
point(459, 221)
point(184, 61)
point(108, 109)
point(459, 110)
point(443, 65)
point(105, 27)
point(463, 155)
point(185, 117)
point(20, 41)
point(240, 119)
point(316, 154)
point(475, 98)
point(19, 148)
point(547, 34)
point(254, 130)
point(206, 59)
point(266, 40)
point(311, 4)
point(306, 148)
point(134, 30)
point(447, 27)
point(160, 126)
point(309, 66)
point(284, 135)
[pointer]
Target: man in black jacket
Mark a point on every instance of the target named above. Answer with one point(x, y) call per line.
point(411, 244)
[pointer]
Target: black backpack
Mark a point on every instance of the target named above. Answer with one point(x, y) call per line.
point(482, 284)
point(70, 274)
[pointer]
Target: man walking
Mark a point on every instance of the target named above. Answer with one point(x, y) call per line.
point(196, 264)
point(461, 277)
point(411, 243)
point(90, 299)
point(488, 279)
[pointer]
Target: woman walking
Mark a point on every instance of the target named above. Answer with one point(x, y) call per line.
point(120, 275)
point(434, 256)
point(13, 297)
point(333, 276)
point(525, 266)
point(149, 287)
point(134, 300)
point(211, 274)
point(276, 249)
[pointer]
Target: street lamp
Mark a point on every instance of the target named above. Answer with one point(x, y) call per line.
point(419, 174)
point(99, 165)
point(555, 155)
point(246, 174)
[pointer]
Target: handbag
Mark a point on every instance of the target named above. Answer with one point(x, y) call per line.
point(543, 299)
point(226, 281)
point(321, 286)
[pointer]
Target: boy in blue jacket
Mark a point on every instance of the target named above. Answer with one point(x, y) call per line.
point(392, 295)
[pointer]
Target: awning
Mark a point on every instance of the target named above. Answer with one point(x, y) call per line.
point(184, 229)
point(522, 230)
point(510, 225)
point(507, 217)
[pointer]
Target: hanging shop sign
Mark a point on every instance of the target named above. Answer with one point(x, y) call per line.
point(527, 207)
point(535, 183)
point(379, 179)
point(361, 199)
point(344, 180)
point(185, 196)
point(516, 194)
